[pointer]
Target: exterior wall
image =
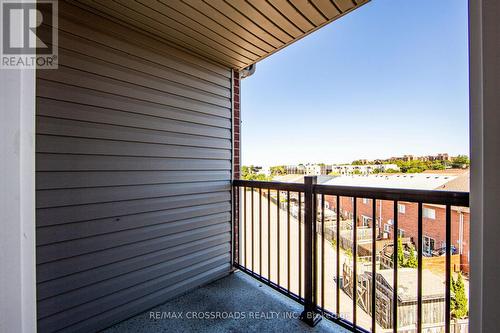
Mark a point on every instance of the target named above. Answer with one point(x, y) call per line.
point(484, 78)
point(133, 174)
point(17, 201)
point(434, 228)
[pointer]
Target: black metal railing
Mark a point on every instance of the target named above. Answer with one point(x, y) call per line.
point(304, 249)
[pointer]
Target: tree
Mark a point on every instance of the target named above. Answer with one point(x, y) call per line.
point(251, 173)
point(412, 259)
point(437, 165)
point(278, 170)
point(401, 255)
point(458, 302)
point(403, 261)
point(461, 161)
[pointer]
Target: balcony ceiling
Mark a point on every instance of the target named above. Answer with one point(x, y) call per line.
point(235, 33)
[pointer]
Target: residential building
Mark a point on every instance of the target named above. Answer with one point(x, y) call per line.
point(364, 169)
point(317, 169)
point(295, 169)
point(434, 216)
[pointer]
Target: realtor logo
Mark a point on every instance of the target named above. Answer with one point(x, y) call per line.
point(29, 34)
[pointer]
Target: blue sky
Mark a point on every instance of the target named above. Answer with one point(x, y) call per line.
point(389, 79)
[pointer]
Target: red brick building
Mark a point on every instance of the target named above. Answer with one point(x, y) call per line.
point(434, 216)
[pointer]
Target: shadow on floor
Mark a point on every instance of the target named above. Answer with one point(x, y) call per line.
point(245, 304)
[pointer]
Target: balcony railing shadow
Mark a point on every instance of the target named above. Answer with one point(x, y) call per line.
point(236, 303)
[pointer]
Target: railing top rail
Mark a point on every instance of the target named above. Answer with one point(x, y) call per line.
point(294, 187)
point(379, 193)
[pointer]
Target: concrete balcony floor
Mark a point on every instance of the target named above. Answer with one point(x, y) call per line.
point(237, 293)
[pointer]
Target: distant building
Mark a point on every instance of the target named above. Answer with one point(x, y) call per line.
point(434, 216)
point(408, 158)
point(365, 169)
point(317, 169)
point(295, 169)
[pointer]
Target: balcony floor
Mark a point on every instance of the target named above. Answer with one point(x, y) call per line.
point(237, 292)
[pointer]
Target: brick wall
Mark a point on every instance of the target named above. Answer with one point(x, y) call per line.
point(237, 123)
point(236, 162)
point(407, 221)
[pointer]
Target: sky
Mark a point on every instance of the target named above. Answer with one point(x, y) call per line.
point(390, 78)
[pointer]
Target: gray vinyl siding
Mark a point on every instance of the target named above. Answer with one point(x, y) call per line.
point(133, 190)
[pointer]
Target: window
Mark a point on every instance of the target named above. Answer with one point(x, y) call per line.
point(401, 233)
point(401, 208)
point(429, 213)
point(387, 227)
point(366, 201)
point(428, 245)
point(365, 220)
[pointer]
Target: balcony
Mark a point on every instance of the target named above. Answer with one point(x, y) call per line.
point(137, 146)
point(284, 240)
point(254, 307)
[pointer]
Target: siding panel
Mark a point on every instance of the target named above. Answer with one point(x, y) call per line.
point(133, 174)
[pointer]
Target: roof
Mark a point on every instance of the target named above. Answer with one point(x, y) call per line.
point(420, 181)
point(448, 171)
point(322, 179)
point(434, 284)
point(234, 33)
point(460, 184)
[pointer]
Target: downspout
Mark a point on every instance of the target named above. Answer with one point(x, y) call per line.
point(247, 71)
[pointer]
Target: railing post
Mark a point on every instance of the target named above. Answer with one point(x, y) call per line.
point(309, 315)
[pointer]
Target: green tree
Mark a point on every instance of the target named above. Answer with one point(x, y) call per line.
point(401, 255)
point(437, 165)
point(412, 259)
point(403, 261)
point(278, 170)
point(461, 161)
point(251, 173)
point(458, 302)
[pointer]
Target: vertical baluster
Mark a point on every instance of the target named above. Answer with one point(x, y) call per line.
point(355, 263)
point(245, 226)
point(253, 227)
point(288, 240)
point(395, 264)
point(269, 234)
point(374, 264)
point(419, 271)
point(278, 233)
point(323, 253)
point(448, 269)
point(300, 242)
point(260, 232)
point(338, 258)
